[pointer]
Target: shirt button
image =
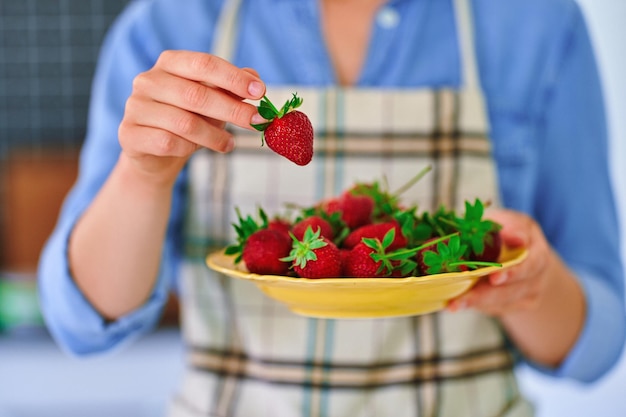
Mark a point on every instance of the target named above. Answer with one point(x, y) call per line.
point(388, 18)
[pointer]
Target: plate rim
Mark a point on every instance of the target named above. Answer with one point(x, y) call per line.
point(211, 263)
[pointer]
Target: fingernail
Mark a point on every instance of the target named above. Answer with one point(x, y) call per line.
point(230, 145)
point(257, 119)
point(255, 88)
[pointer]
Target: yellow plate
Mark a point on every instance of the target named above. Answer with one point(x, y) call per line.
point(363, 297)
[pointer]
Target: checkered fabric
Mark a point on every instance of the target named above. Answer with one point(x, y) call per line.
point(247, 351)
point(251, 356)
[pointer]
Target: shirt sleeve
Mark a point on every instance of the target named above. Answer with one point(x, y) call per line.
point(71, 319)
point(575, 205)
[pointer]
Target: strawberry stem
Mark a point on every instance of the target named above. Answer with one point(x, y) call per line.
point(267, 100)
point(474, 263)
point(413, 251)
point(413, 181)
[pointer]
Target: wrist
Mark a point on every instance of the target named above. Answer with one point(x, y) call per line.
point(149, 173)
point(546, 331)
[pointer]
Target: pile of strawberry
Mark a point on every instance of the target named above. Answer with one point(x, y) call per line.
point(366, 232)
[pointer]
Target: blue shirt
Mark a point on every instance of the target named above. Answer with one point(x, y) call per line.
point(545, 106)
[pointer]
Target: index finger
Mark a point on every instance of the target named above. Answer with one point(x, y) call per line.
point(212, 70)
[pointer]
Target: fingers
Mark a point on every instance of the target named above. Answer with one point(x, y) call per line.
point(519, 230)
point(212, 70)
point(183, 103)
point(194, 97)
point(496, 301)
point(175, 132)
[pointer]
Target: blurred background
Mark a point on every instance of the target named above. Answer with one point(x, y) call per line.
point(48, 51)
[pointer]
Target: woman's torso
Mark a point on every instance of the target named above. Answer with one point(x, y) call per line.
point(251, 356)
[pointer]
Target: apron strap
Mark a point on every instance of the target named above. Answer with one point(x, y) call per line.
point(467, 47)
point(226, 30)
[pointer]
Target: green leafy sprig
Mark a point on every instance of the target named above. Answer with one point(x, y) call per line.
point(245, 227)
point(400, 259)
point(449, 257)
point(473, 229)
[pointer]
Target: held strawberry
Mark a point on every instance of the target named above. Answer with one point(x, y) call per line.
point(288, 132)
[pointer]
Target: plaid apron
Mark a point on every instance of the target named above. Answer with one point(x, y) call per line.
point(250, 356)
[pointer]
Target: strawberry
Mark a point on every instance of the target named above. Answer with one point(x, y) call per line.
point(314, 222)
point(356, 210)
point(386, 203)
point(264, 249)
point(371, 258)
point(492, 248)
point(360, 264)
point(378, 231)
point(437, 256)
point(244, 229)
point(280, 225)
point(314, 256)
point(344, 254)
point(288, 132)
point(446, 254)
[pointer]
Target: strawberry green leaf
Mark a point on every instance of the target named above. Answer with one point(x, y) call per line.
point(244, 228)
point(265, 102)
point(389, 237)
point(267, 113)
point(303, 250)
point(261, 127)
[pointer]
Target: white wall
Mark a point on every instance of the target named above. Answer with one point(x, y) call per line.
point(607, 23)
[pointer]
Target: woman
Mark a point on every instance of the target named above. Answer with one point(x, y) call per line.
point(155, 196)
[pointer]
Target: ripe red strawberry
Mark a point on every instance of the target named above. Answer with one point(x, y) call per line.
point(315, 222)
point(344, 254)
point(376, 231)
point(288, 132)
point(443, 255)
point(280, 225)
point(264, 249)
point(360, 264)
point(419, 256)
point(492, 249)
point(315, 256)
point(356, 210)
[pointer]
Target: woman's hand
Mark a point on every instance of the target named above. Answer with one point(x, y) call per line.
point(539, 301)
point(182, 104)
point(520, 287)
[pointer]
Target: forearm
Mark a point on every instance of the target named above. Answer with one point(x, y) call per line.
point(115, 248)
point(546, 333)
